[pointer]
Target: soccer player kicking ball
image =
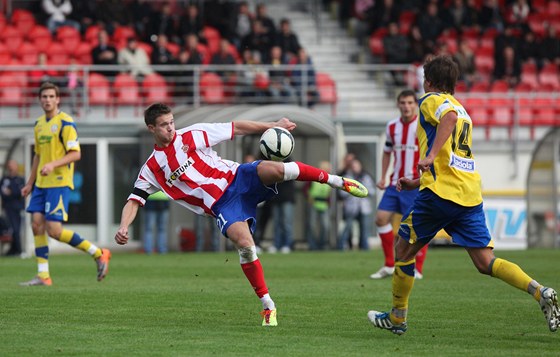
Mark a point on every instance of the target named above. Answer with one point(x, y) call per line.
point(51, 179)
point(450, 198)
point(185, 167)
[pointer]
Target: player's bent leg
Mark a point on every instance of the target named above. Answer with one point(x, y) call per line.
point(240, 235)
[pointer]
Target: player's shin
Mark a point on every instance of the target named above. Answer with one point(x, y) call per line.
point(254, 272)
point(513, 275)
point(74, 239)
point(42, 254)
point(403, 281)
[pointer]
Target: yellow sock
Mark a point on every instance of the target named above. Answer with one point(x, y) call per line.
point(403, 281)
point(72, 238)
point(42, 255)
point(513, 275)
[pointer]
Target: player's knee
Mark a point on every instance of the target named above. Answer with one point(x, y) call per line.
point(37, 227)
point(53, 231)
point(482, 268)
point(247, 254)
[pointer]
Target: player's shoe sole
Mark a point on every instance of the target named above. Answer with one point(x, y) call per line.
point(549, 306)
point(269, 317)
point(354, 187)
point(383, 321)
point(37, 281)
point(103, 264)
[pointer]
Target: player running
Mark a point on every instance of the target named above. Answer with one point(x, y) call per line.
point(402, 143)
point(51, 179)
point(450, 198)
point(185, 167)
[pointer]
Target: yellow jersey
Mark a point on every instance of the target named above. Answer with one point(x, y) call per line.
point(53, 139)
point(453, 175)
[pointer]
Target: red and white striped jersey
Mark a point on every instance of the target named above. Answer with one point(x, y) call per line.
point(403, 143)
point(189, 171)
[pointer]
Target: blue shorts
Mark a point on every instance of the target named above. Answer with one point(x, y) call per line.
point(239, 201)
point(431, 213)
point(52, 202)
point(394, 201)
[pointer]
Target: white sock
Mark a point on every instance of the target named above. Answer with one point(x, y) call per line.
point(291, 171)
point(335, 181)
point(267, 302)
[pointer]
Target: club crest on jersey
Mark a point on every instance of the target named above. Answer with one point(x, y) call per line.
point(185, 148)
point(54, 128)
point(179, 171)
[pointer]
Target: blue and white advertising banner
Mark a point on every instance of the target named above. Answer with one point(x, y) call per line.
point(507, 222)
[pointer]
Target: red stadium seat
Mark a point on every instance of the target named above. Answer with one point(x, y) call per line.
point(376, 46)
point(549, 76)
point(481, 86)
point(41, 38)
point(5, 55)
point(82, 53)
point(12, 38)
point(122, 33)
point(211, 88)
point(13, 87)
point(499, 86)
point(69, 37)
point(91, 35)
point(204, 52)
point(27, 53)
point(173, 48)
point(212, 37)
point(155, 89)
point(58, 55)
point(146, 47)
point(99, 92)
point(326, 87)
point(23, 20)
point(127, 90)
point(484, 63)
point(3, 22)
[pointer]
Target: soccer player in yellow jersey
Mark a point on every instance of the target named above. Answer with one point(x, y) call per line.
point(450, 198)
point(50, 181)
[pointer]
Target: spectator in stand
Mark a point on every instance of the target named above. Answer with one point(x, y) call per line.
point(161, 55)
point(242, 23)
point(58, 10)
point(13, 203)
point(418, 47)
point(267, 22)
point(280, 88)
point(189, 55)
point(104, 54)
point(288, 41)
point(504, 39)
point(224, 58)
point(384, 12)
point(396, 45)
point(112, 13)
point(459, 15)
point(529, 49)
point(135, 58)
point(254, 79)
point(518, 14)
point(191, 46)
point(363, 18)
point(430, 24)
point(508, 66)
point(258, 40)
point(84, 12)
point(491, 16)
point(301, 76)
point(40, 73)
point(163, 22)
point(465, 60)
point(140, 12)
point(550, 47)
point(190, 22)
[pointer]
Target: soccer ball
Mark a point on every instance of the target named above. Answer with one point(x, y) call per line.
point(277, 144)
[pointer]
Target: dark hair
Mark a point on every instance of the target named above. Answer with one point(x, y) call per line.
point(407, 93)
point(154, 111)
point(442, 73)
point(49, 85)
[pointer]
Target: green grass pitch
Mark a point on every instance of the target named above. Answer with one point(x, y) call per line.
point(202, 305)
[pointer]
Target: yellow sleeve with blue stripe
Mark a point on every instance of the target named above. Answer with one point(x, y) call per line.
point(53, 139)
point(453, 175)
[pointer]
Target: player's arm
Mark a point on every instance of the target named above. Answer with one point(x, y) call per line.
point(244, 127)
point(385, 161)
point(26, 189)
point(445, 128)
point(407, 184)
point(71, 156)
point(129, 212)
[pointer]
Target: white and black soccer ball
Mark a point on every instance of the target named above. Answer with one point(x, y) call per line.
point(277, 144)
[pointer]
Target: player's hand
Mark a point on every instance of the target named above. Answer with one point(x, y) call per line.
point(122, 236)
point(47, 169)
point(425, 164)
point(26, 190)
point(286, 124)
point(381, 184)
point(407, 184)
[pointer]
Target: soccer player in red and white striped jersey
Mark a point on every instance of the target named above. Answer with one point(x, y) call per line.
point(402, 143)
point(185, 167)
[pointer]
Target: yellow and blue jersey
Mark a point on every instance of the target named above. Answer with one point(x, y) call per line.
point(453, 175)
point(54, 137)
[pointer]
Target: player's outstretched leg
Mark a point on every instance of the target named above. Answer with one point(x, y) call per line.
point(549, 306)
point(382, 320)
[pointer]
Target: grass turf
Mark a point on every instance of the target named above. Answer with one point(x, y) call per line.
point(201, 304)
